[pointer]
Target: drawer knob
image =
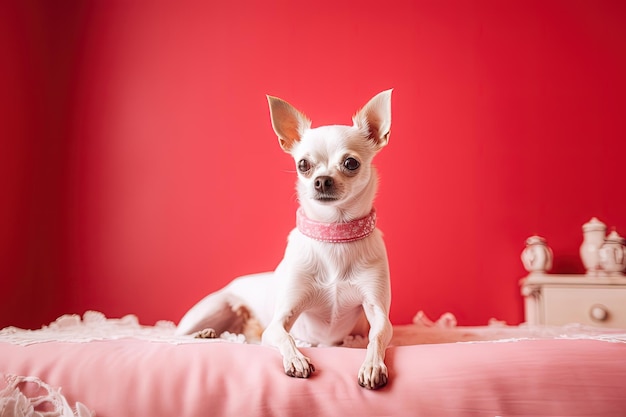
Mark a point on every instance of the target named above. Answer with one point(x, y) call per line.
point(599, 312)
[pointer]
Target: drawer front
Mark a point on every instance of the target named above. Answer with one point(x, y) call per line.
point(604, 307)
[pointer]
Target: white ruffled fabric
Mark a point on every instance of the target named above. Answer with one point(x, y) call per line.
point(28, 396)
point(96, 326)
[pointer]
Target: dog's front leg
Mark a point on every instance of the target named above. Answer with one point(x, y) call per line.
point(277, 335)
point(373, 373)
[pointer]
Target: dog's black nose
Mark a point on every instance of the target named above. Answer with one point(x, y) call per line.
point(323, 184)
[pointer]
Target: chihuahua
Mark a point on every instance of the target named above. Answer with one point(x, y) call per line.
point(333, 281)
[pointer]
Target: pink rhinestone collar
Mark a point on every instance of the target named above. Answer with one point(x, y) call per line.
point(336, 232)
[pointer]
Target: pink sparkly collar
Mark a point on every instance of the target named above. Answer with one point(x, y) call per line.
point(336, 232)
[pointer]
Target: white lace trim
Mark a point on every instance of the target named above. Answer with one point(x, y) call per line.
point(28, 396)
point(96, 326)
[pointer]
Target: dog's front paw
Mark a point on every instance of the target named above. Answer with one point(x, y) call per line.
point(298, 366)
point(373, 375)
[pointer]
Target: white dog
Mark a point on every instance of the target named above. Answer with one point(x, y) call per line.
point(334, 278)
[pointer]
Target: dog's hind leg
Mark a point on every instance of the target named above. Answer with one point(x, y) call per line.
point(220, 311)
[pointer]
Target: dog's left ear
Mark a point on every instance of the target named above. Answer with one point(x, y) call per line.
point(375, 116)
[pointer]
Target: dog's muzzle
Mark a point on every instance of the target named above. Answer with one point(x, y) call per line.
point(325, 189)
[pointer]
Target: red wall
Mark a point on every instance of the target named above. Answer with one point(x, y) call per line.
point(139, 170)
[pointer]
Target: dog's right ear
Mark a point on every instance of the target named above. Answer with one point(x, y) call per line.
point(288, 123)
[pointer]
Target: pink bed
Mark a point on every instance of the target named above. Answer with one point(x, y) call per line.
point(119, 368)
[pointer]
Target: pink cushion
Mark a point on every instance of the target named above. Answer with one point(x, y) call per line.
point(143, 378)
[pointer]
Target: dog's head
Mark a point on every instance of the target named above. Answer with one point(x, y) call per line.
point(336, 179)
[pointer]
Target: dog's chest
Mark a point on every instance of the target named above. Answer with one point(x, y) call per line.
point(337, 295)
point(335, 308)
point(336, 289)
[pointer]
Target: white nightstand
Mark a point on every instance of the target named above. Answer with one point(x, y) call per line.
point(563, 299)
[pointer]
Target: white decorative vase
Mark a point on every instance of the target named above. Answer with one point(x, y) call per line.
point(537, 256)
point(612, 254)
point(594, 233)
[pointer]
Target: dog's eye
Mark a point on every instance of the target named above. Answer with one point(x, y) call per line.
point(304, 166)
point(351, 164)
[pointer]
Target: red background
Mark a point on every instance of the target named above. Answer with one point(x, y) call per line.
point(139, 170)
